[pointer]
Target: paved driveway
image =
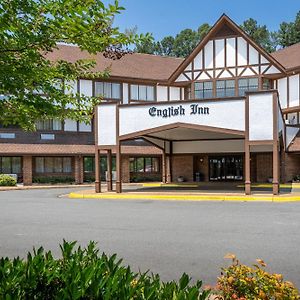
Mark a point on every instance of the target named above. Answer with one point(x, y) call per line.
point(165, 237)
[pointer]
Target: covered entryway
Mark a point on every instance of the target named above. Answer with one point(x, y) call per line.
point(225, 130)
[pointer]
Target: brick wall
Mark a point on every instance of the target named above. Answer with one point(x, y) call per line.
point(125, 169)
point(78, 169)
point(291, 166)
point(182, 165)
point(264, 166)
point(27, 170)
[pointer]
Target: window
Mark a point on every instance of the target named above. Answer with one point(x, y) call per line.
point(267, 84)
point(108, 90)
point(47, 136)
point(10, 165)
point(225, 88)
point(89, 164)
point(53, 164)
point(49, 124)
point(4, 135)
point(247, 84)
point(144, 164)
point(203, 90)
point(142, 92)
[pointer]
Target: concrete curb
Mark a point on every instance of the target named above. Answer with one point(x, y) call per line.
point(185, 197)
point(43, 187)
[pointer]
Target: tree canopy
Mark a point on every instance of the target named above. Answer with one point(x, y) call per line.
point(185, 41)
point(31, 86)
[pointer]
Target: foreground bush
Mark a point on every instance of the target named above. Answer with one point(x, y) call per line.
point(6, 180)
point(86, 274)
point(242, 282)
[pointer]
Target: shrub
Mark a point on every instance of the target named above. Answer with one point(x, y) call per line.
point(6, 180)
point(86, 274)
point(53, 179)
point(242, 282)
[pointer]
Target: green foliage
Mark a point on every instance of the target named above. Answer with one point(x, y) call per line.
point(6, 180)
point(253, 283)
point(260, 34)
point(53, 179)
point(86, 274)
point(34, 87)
point(289, 33)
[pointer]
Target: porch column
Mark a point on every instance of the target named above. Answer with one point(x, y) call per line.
point(109, 171)
point(164, 167)
point(247, 169)
point(119, 168)
point(97, 172)
point(276, 168)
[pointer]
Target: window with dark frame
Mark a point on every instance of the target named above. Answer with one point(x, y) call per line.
point(225, 88)
point(144, 164)
point(108, 90)
point(49, 124)
point(247, 84)
point(142, 92)
point(10, 164)
point(203, 90)
point(53, 164)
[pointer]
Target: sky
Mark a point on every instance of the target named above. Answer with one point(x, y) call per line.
point(168, 17)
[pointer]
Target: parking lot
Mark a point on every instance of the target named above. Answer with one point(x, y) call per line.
point(166, 237)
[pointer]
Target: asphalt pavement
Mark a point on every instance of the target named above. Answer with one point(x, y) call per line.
point(165, 237)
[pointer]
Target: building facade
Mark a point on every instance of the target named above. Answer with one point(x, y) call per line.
point(228, 112)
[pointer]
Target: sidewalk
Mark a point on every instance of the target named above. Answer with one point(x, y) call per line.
point(191, 192)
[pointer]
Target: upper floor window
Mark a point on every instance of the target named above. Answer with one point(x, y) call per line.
point(108, 90)
point(142, 92)
point(49, 124)
point(225, 88)
point(266, 83)
point(203, 90)
point(247, 84)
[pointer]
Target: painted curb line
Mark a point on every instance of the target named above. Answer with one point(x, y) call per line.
point(185, 197)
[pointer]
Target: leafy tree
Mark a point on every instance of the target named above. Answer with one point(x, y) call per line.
point(166, 46)
point(185, 42)
point(203, 30)
point(148, 46)
point(260, 34)
point(31, 86)
point(289, 33)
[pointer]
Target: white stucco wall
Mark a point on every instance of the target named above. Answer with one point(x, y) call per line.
point(107, 130)
point(261, 117)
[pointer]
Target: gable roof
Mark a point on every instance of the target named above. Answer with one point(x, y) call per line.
point(227, 26)
point(289, 57)
point(134, 66)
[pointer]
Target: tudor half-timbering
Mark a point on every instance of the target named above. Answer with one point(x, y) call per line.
point(229, 111)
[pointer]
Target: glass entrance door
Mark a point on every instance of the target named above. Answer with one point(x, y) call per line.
point(222, 168)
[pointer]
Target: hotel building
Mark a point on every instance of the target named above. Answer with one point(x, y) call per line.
point(227, 112)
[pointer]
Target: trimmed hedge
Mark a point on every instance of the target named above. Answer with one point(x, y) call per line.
point(53, 179)
point(6, 180)
point(86, 274)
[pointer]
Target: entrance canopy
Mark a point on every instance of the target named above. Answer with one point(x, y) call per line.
point(253, 123)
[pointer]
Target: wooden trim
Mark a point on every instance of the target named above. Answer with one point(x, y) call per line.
point(180, 125)
point(247, 150)
point(275, 147)
point(288, 91)
point(109, 171)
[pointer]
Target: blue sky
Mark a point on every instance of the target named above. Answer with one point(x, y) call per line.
point(168, 17)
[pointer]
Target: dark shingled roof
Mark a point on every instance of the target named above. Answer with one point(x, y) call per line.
point(136, 65)
point(289, 57)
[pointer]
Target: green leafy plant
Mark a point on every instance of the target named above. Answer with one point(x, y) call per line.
point(53, 179)
point(86, 274)
point(242, 282)
point(6, 180)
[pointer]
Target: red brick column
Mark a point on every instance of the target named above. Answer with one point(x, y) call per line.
point(78, 169)
point(27, 170)
point(125, 169)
